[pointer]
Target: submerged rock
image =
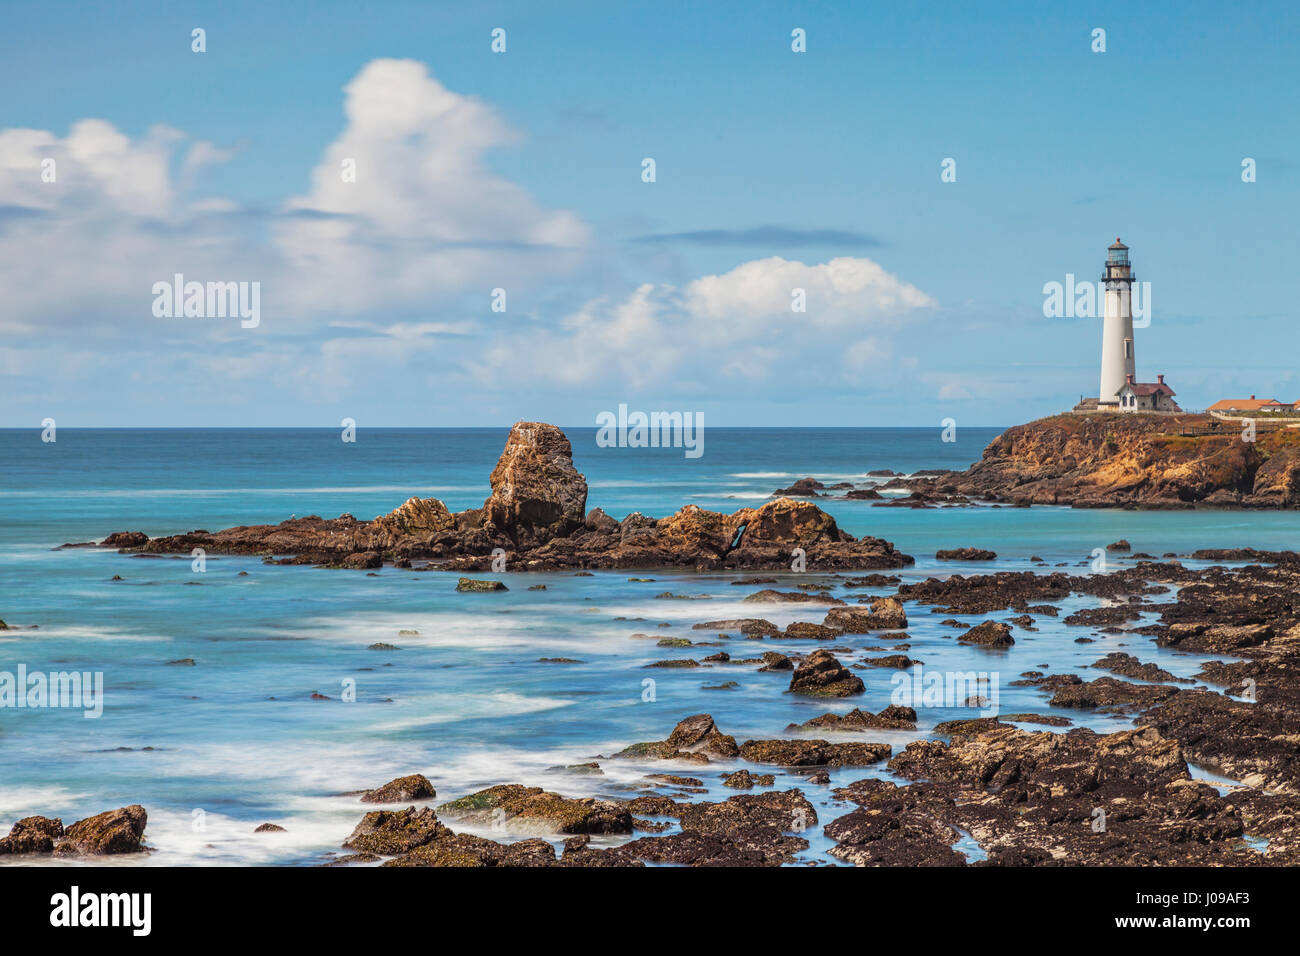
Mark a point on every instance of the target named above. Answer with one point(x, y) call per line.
point(892, 717)
point(472, 584)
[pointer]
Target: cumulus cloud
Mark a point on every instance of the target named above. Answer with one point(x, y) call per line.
point(424, 214)
point(424, 221)
point(737, 326)
point(386, 278)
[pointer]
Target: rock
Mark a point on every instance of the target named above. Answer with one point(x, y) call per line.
point(695, 738)
point(1109, 695)
point(532, 809)
point(784, 811)
point(382, 646)
point(600, 522)
point(1159, 461)
point(822, 675)
point(965, 554)
point(270, 828)
point(803, 488)
point(389, 832)
point(988, 634)
point(363, 560)
point(893, 717)
point(747, 846)
point(745, 625)
point(537, 494)
point(769, 596)
point(895, 661)
point(125, 539)
point(885, 614)
point(813, 753)
point(807, 630)
point(988, 593)
point(772, 661)
point(111, 832)
point(402, 790)
point(1120, 545)
point(32, 835)
point(448, 849)
point(744, 780)
point(1126, 665)
point(894, 826)
point(474, 585)
point(424, 518)
point(675, 780)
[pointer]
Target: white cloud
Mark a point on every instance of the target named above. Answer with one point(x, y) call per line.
point(426, 220)
point(737, 326)
point(424, 214)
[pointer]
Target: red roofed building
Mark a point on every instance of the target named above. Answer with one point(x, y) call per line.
point(1252, 404)
point(1146, 396)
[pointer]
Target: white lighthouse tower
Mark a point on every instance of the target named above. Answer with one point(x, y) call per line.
point(1117, 361)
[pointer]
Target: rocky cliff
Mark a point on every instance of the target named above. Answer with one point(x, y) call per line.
point(1158, 461)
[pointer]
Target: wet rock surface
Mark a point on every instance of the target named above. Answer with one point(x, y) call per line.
point(532, 809)
point(402, 790)
point(822, 675)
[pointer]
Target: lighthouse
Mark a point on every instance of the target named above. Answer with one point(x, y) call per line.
point(1117, 361)
point(1120, 390)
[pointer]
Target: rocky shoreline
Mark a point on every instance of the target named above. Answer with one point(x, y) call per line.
point(1025, 796)
point(1127, 461)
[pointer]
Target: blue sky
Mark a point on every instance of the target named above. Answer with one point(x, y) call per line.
point(774, 169)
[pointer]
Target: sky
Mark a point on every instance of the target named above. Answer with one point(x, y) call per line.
point(524, 171)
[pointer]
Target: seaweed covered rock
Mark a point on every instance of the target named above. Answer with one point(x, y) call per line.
point(534, 810)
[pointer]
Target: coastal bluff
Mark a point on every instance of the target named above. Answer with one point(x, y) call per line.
point(536, 519)
point(1128, 460)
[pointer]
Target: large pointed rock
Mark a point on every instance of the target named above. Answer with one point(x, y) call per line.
point(537, 493)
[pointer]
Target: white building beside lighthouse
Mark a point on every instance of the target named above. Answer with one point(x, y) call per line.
point(1120, 390)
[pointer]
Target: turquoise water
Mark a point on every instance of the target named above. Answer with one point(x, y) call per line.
point(237, 739)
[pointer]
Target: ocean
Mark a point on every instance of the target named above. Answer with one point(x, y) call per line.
point(237, 739)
